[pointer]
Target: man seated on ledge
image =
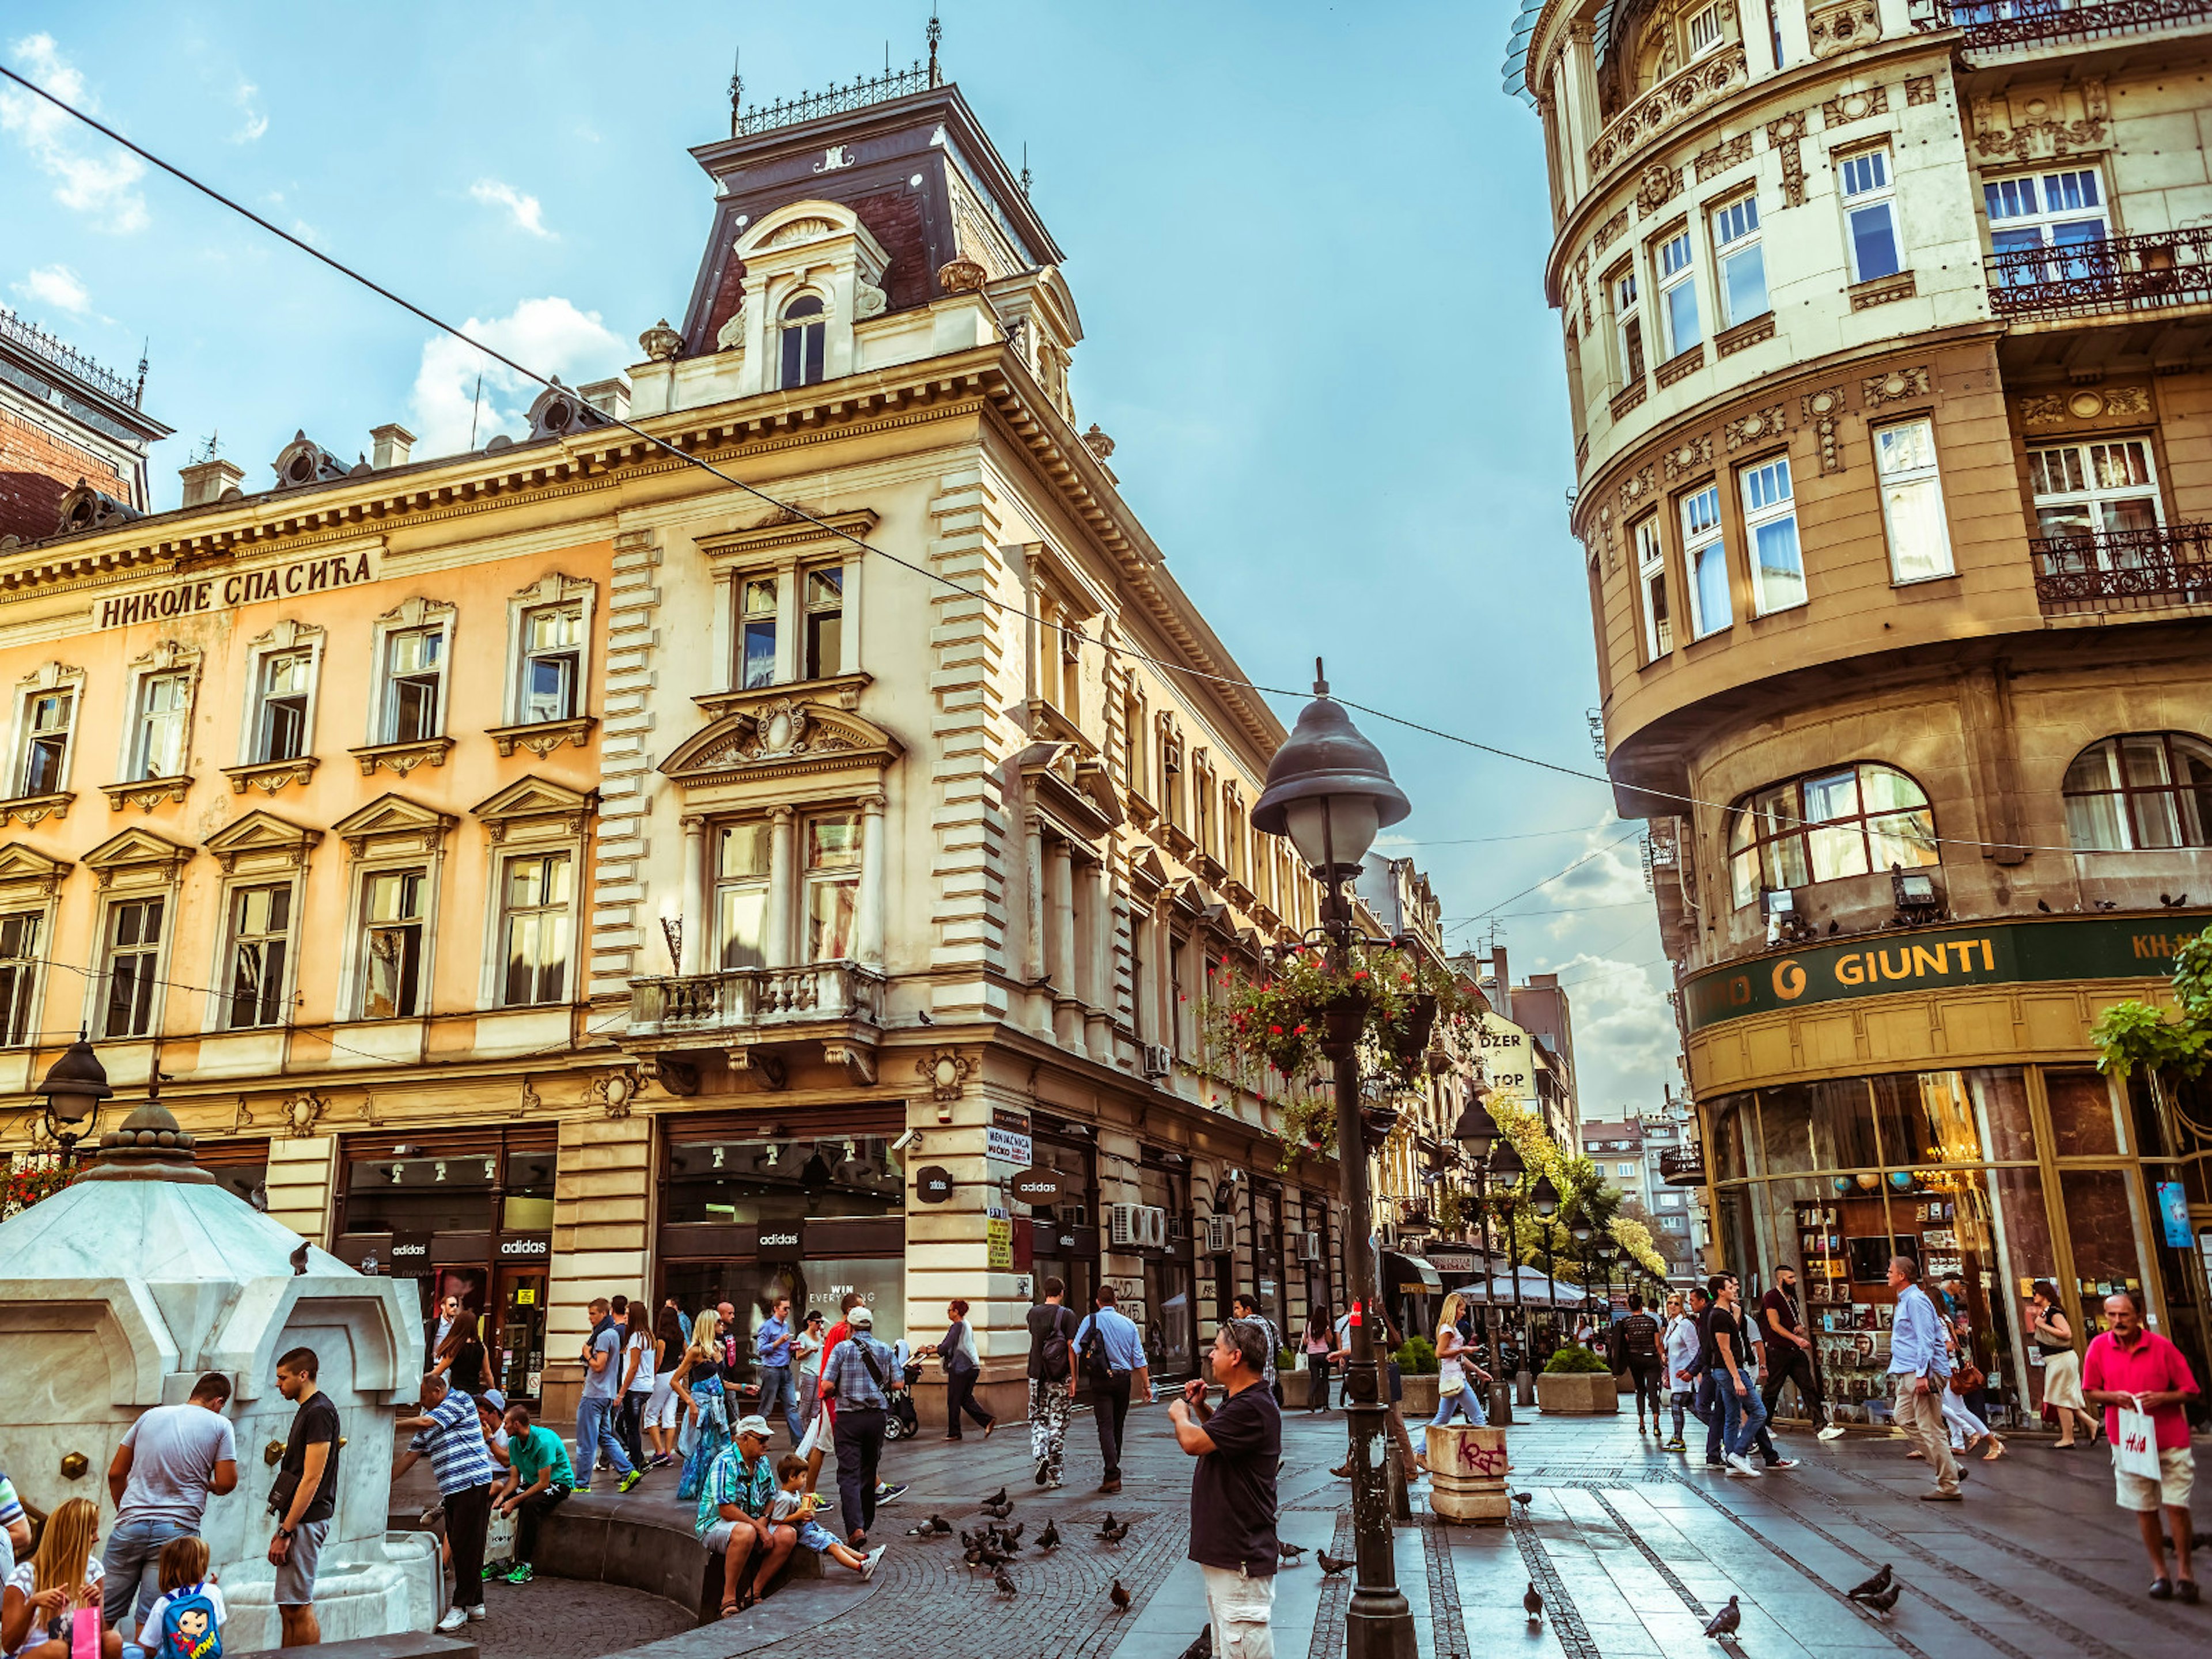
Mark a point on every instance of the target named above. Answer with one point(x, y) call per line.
point(734, 1507)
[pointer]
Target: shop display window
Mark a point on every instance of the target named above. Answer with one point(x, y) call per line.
point(772, 1178)
point(2100, 1228)
point(425, 1194)
point(1730, 1120)
point(2084, 1122)
point(1841, 1126)
point(1791, 1120)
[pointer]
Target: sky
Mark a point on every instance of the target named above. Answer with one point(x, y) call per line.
point(1307, 242)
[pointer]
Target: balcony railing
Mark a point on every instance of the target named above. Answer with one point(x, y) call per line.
point(1991, 24)
point(749, 999)
point(69, 360)
point(2124, 569)
point(2148, 272)
point(1682, 1166)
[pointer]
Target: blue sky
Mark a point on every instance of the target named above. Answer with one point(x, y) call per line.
point(1307, 242)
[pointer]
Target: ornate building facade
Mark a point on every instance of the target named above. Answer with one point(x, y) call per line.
point(1886, 343)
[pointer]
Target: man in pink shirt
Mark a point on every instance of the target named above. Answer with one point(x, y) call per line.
point(2129, 1366)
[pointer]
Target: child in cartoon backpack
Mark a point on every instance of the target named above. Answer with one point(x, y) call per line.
point(186, 1621)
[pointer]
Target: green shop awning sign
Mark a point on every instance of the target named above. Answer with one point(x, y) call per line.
point(1998, 953)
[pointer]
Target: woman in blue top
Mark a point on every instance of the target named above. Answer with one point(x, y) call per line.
point(698, 1383)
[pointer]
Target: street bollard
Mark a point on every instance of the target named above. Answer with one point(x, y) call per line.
point(1524, 1388)
point(1467, 1473)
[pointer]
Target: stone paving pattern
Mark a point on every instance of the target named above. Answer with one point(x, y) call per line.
point(1633, 1549)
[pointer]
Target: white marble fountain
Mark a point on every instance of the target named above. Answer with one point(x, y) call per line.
point(118, 1292)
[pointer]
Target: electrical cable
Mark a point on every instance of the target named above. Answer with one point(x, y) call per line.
point(800, 513)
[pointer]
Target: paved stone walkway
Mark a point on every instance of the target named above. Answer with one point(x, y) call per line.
point(1633, 1548)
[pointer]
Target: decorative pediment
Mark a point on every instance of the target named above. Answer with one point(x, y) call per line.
point(414, 611)
point(397, 819)
point(784, 529)
point(285, 634)
point(140, 852)
point(533, 800)
point(1147, 874)
point(48, 676)
point(260, 832)
point(1070, 788)
point(781, 735)
point(21, 862)
point(167, 655)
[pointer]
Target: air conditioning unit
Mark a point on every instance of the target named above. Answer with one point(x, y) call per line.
point(1153, 1235)
point(1309, 1247)
point(1121, 1224)
point(1220, 1234)
point(1158, 1061)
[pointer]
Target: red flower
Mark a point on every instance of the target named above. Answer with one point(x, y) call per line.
point(1300, 1032)
point(1274, 1030)
point(1359, 973)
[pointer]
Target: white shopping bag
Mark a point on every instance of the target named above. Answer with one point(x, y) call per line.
point(2135, 1446)
point(813, 1435)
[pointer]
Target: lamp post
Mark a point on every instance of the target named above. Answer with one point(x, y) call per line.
point(1329, 791)
point(1477, 1133)
point(74, 1087)
point(1506, 1169)
point(1544, 1200)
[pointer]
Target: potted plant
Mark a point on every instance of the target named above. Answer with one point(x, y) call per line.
point(1577, 1384)
point(1416, 1371)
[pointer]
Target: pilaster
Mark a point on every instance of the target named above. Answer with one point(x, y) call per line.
point(626, 768)
point(301, 1180)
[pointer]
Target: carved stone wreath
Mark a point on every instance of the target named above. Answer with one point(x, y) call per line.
point(946, 1071)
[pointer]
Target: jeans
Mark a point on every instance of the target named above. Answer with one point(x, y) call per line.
point(594, 1434)
point(1787, 1363)
point(529, 1515)
point(859, 1448)
point(1109, 1409)
point(1645, 1374)
point(1745, 1413)
point(1707, 1412)
point(959, 1397)
point(775, 1386)
point(1467, 1399)
point(629, 1425)
point(1316, 1381)
point(131, 1563)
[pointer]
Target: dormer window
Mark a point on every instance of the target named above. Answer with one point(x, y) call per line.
point(806, 339)
point(1704, 31)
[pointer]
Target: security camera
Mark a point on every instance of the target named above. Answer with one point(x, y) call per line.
point(906, 1140)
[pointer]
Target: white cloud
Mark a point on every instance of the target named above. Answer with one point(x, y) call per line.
point(549, 335)
point(92, 176)
point(1626, 1041)
point(528, 215)
point(253, 121)
point(56, 286)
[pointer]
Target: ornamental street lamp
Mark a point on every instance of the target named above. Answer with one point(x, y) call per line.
point(1329, 791)
point(73, 1088)
point(1477, 1133)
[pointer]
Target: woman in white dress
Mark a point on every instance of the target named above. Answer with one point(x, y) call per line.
point(2062, 1367)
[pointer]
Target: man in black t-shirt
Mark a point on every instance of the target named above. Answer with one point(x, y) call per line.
point(1788, 1349)
point(1238, 1446)
point(1052, 1324)
point(305, 1496)
point(1639, 1343)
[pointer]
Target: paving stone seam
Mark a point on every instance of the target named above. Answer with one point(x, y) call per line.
point(1573, 1634)
point(1446, 1622)
point(1659, 1565)
point(1335, 1596)
point(2044, 1564)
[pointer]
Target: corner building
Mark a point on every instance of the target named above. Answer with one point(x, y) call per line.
point(1886, 338)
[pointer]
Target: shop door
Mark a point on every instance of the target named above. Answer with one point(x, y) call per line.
point(519, 1354)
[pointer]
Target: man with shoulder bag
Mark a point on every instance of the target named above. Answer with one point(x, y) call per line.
point(305, 1496)
point(1051, 1380)
point(861, 1377)
point(1113, 1350)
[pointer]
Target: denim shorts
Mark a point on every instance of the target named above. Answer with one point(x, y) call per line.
point(815, 1536)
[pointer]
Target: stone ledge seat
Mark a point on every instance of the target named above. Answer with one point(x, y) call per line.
point(407, 1645)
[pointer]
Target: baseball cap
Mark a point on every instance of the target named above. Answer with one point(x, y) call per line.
point(755, 1424)
point(864, 1317)
point(496, 1399)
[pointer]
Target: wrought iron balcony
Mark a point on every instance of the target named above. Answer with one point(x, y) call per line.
point(1682, 1166)
point(2149, 272)
point(1994, 24)
point(748, 999)
point(2123, 569)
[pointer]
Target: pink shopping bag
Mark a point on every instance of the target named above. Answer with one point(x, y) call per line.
point(84, 1634)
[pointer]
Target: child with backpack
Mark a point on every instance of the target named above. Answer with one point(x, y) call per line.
point(185, 1622)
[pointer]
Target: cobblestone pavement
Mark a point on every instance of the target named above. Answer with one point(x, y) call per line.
point(556, 1618)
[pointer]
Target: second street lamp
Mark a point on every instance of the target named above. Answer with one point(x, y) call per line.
point(1329, 790)
point(1477, 1133)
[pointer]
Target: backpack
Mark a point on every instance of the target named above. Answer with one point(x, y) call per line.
point(1096, 1366)
point(1053, 1355)
point(189, 1629)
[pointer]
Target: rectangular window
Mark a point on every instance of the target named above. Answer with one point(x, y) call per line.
point(1628, 328)
point(2089, 490)
point(1171, 784)
point(1704, 31)
point(833, 886)
point(19, 973)
point(756, 633)
point(134, 958)
point(1202, 829)
point(1232, 839)
point(414, 679)
point(552, 651)
point(1913, 500)
point(281, 730)
point(1070, 653)
point(1742, 261)
point(1704, 556)
point(1870, 214)
point(536, 929)
point(2057, 209)
point(825, 623)
point(1770, 520)
point(1678, 293)
point(391, 941)
point(260, 930)
point(1134, 718)
point(157, 749)
point(49, 715)
point(741, 862)
point(1651, 581)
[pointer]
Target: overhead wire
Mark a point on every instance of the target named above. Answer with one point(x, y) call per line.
point(838, 532)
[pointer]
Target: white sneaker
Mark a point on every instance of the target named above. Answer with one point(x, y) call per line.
point(454, 1619)
point(868, 1565)
point(1833, 1431)
point(1743, 1465)
point(1784, 1463)
point(477, 1613)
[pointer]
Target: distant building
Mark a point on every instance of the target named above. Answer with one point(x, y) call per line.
point(71, 432)
point(1531, 1041)
point(1629, 1153)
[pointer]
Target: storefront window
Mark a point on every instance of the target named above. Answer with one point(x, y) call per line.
point(404, 1194)
point(2084, 1122)
point(1842, 1125)
point(1786, 1117)
point(752, 1181)
point(1729, 1115)
point(1167, 1325)
point(2100, 1228)
point(1936, 1117)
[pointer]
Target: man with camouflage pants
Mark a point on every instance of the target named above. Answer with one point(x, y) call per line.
point(1051, 1380)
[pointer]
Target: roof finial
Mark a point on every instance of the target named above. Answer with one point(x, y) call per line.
point(139, 393)
point(1321, 680)
point(736, 88)
point(1025, 167)
point(936, 33)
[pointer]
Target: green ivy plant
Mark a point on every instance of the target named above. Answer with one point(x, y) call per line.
point(2133, 1034)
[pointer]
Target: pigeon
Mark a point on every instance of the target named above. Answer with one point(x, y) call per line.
point(1201, 1646)
point(1534, 1600)
point(998, 1497)
point(1119, 1597)
point(1289, 1552)
point(936, 1526)
point(997, 1511)
point(1005, 1585)
point(1048, 1539)
point(1835, 927)
point(1330, 1567)
point(1724, 1622)
point(1115, 1534)
point(1873, 1586)
point(2043, 907)
point(974, 1557)
point(1882, 1601)
point(1013, 1534)
point(1107, 1525)
point(1521, 1499)
point(300, 1260)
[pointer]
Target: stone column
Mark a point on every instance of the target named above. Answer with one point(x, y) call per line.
point(1033, 863)
point(1796, 40)
point(696, 907)
point(1758, 39)
point(868, 945)
point(1059, 951)
point(782, 886)
point(1576, 88)
point(602, 1189)
point(1098, 1021)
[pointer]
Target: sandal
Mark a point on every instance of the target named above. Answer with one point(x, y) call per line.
point(1996, 1450)
point(731, 1609)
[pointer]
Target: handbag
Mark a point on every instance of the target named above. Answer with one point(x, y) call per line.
point(1966, 1377)
point(2135, 1446)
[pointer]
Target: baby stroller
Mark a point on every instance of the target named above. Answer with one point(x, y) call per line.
point(902, 1423)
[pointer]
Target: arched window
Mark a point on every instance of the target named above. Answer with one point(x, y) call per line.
point(1850, 821)
point(806, 329)
point(2140, 790)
